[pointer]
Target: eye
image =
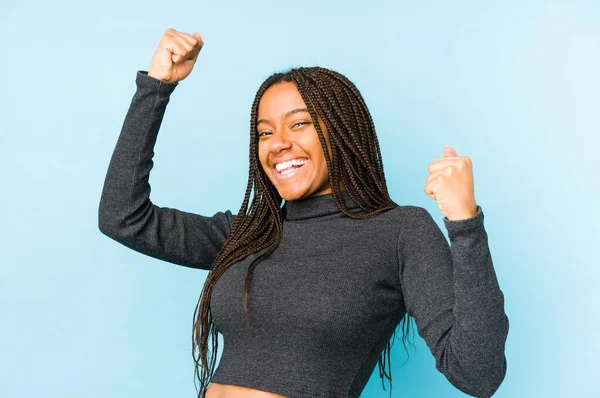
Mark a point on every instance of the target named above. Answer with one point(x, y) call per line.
point(260, 134)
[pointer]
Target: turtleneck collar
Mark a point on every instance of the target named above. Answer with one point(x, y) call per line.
point(318, 206)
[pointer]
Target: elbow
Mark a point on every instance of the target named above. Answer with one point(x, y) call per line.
point(483, 370)
point(108, 224)
point(120, 219)
point(490, 384)
point(120, 225)
point(496, 379)
point(113, 220)
point(482, 381)
point(477, 368)
point(107, 227)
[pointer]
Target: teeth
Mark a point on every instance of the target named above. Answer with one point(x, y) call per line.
point(289, 163)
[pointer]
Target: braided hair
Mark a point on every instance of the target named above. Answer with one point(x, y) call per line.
point(355, 158)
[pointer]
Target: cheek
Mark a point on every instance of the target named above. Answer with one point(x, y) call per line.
point(262, 159)
point(316, 152)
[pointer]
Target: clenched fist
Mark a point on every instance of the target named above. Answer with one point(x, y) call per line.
point(175, 56)
point(450, 183)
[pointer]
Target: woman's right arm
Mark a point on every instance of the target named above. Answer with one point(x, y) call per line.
point(126, 213)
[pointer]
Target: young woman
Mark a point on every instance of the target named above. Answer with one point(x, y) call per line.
point(308, 294)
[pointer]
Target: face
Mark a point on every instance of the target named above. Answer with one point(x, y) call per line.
point(286, 131)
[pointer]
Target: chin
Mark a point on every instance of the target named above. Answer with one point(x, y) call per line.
point(289, 195)
point(293, 192)
point(296, 194)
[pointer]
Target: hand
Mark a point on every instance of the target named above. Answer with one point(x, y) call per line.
point(450, 183)
point(175, 56)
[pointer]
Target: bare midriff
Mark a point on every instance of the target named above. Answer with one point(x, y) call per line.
point(217, 390)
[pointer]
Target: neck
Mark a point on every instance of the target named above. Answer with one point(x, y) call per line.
point(318, 206)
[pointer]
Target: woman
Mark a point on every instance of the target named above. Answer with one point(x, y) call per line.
point(341, 264)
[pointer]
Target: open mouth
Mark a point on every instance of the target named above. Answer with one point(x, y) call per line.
point(290, 172)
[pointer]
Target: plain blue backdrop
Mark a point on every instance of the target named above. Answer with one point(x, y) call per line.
point(514, 86)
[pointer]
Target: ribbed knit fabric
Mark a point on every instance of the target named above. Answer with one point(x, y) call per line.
point(324, 304)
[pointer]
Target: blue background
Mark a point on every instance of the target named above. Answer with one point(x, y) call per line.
point(513, 86)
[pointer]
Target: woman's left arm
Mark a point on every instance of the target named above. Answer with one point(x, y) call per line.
point(452, 292)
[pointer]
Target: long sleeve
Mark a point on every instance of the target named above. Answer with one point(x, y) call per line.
point(126, 213)
point(453, 294)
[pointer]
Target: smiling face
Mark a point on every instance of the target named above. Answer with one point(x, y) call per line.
point(285, 132)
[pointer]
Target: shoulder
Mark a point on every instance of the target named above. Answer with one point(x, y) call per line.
point(403, 220)
point(407, 219)
point(412, 215)
point(407, 213)
point(417, 224)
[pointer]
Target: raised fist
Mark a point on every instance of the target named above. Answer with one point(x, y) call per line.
point(175, 56)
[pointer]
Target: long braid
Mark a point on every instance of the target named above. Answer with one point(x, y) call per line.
point(347, 141)
point(355, 160)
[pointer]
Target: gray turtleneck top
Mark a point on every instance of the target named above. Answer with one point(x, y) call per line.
point(324, 304)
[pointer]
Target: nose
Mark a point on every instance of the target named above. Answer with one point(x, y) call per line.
point(280, 141)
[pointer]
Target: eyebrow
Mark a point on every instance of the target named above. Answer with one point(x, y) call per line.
point(288, 114)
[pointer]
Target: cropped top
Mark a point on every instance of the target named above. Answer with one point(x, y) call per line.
point(324, 304)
